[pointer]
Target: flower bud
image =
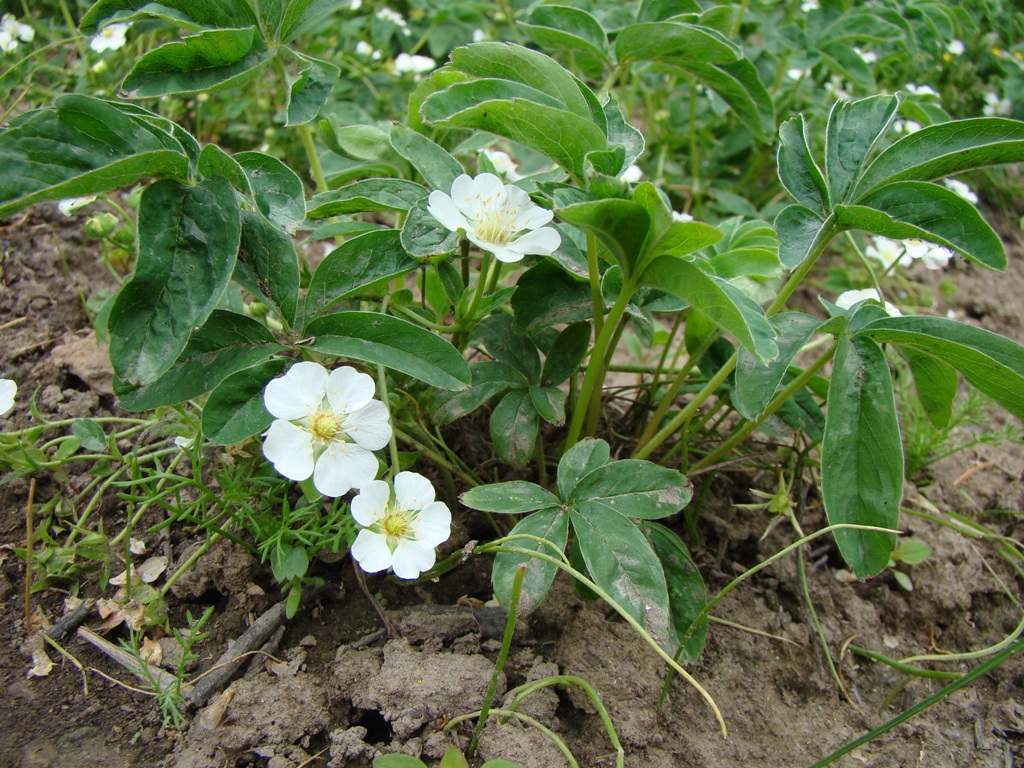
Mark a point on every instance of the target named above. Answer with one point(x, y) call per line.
point(100, 225)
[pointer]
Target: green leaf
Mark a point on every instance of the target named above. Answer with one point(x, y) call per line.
point(234, 411)
point(267, 265)
point(355, 265)
point(674, 42)
point(81, 146)
point(514, 428)
point(549, 402)
point(368, 195)
point(91, 434)
point(438, 168)
point(919, 209)
point(186, 13)
point(423, 236)
point(990, 362)
point(453, 758)
point(530, 68)
point(210, 60)
point(551, 524)
point(559, 134)
point(565, 354)
point(740, 86)
point(512, 498)
point(214, 161)
point(546, 295)
point(724, 304)
point(188, 241)
point(854, 129)
point(504, 344)
point(563, 28)
point(622, 134)
point(622, 226)
point(686, 593)
point(937, 151)
point(277, 189)
point(302, 16)
point(755, 383)
point(862, 455)
point(800, 230)
point(398, 344)
point(935, 383)
point(310, 90)
point(489, 379)
point(580, 460)
point(798, 172)
point(227, 342)
point(846, 62)
point(859, 25)
point(634, 488)
point(622, 562)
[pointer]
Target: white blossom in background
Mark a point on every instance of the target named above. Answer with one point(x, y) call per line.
point(921, 90)
point(503, 164)
point(479, 36)
point(838, 89)
point(355, 5)
point(906, 126)
point(496, 217)
point(415, 64)
point(869, 57)
point(683, 217)
point(995, 106)
point(809, 5)
point(326, 427)
point(847, 299)
point(632, 174)
point(402, 532)
point(934, 257)
point(8, 391)
point(888, 252)
point(367, 51)
point(69, 205)
point(955, 47)
point(394, 17)
point(111, 38)
point(961, 189)
point(796, 73)
point(13, 32)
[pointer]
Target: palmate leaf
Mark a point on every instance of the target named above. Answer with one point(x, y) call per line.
point(367, 195)
point(798, 172)
point(854, 129)
point(514, 427)
point(301, 16)
point(515, 497)
point(267, 265)
point(83, 145)
point(686, 593)
point(310, 90)
point(438, 168)
point(634, 488)
point(550, 524)
point(563, 28)
point(276, 189)
point(191, 14)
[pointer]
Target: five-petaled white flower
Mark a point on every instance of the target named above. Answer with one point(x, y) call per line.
point(327, 425)
point(496, 217)
point(849, 298)
point(888, 252)
point(933, 256)
point(110, 38)
point(12, 31)
point(401, 532)
point(8, 389)
point(503, 164)
point(70, 205)
point(416, 64)
point(961, 189)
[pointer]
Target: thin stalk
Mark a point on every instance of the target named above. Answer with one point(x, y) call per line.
point(465, 475)
point(315, 166)
point(507, 713)
point(777, 402)
point(382, 390)
point(670, 395)
point(596, 297)
point(462, 337)
point(806, 592)
point(594, 377)
point(594, 416)
point(29, 552)
point(694, 151)
point(934, 674)
point(499, 664)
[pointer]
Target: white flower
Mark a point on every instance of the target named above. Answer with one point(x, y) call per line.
point(921, 90)
point(326, 426)
point(185, 443)
point(683, 217)
point(632, 174)
point(496, 217)
point(961, 189)
point(387, 15)
point(416, 64)
point(72, 204)
point(363, 48)
point(906, 126)
point(479, 36)
point(809, 5)
point(110, 38)
point(934, 257)
point(399, 533)
point(8, 389)
point(955, 47)
point(796, 73)
point(502, 163)
point(996, 106)
point(869, 57)
point(888, 252)
point(355, 5)
point(12, 31)
point(848, 299)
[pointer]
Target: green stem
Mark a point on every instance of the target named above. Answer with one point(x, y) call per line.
point(382, 390)
point(594, 270)
point(668, 398)
point(315, 166)
point(934, 674)
point(507, 713)
point(749, 427)
point(462, 337)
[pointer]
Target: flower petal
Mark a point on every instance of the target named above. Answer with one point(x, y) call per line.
point(8, 389)
point(441, 207)
point(433, 525)
point(413, 491)
point(371, 504)
point(298, 393)
point(290, 449)
point(371, 551)
point(541, 242)
point(490, 195)
point(411, 558)
point(369, 426)
point(349, 390)
point(525, 213)
point(464, 197)
point(342, 467)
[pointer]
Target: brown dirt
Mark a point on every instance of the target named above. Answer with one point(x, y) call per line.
point(334, 700)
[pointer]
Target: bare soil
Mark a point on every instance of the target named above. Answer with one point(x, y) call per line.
point(340, 693)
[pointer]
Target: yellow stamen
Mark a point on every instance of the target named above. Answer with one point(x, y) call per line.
point(325, 426)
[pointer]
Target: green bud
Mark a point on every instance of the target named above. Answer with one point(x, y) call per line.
point(257, 309)
point(100, 225)
point(124, 236)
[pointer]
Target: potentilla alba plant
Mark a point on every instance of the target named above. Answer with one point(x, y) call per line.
point(400, 531)
point(111, 38)
point(8, 391)
point(495, 217)
point(326, 427)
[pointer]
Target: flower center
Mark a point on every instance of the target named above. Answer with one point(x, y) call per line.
point(325, 426)
point(495, 226)
point(397, 524)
